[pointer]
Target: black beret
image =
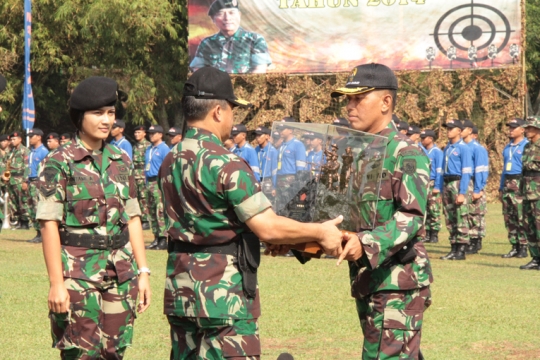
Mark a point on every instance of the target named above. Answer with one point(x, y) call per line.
point(222, 4)
point(94, 93)
point(4, 137)
point(34, 131)
point(3, 83)
point(15, 134)
point(140, 127)
point(66, 136)
point(367, 77)
point(53, 135)
point(155, 129)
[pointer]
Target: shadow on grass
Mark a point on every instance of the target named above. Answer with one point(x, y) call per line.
point(499, 265)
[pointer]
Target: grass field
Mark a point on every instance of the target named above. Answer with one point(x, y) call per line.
point(483, 308)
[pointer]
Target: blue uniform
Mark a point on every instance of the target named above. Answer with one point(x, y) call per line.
point(457, 160)
point(153, 158)
point(123, 144)
point(291, 157)
point(315, 159)
point(512, 164)
point(36, 155)
point(480, 165)
point(436, 157)
point(247, 152)
point(424, 149)
point(268, 158)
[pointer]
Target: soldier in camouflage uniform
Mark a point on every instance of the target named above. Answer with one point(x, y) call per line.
point(212, 200)
point(17, 186)
point(4, 154)
point(92, 236)
point(232, 49)
point(390, 271)
point(139, 149)
point(531, 191)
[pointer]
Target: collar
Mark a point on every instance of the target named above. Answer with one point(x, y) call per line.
point(389, 130)
point(199, 134)
point(80, 152)
point(236, 35)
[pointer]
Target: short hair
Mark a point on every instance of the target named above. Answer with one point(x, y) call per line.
point(392, 93)
point(196, 109)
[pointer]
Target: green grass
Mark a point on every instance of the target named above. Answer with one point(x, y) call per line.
point(483, 308)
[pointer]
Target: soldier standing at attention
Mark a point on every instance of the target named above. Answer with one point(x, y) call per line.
point(478, 203)
point(390, 271)
point(457, 172)
point(175, 135)
point(119, 140)
point(17, 185)
point(414, 134)
point(510, 189)
point(92, 237)
point(245, 150)
point(483, 209)
point(53, 141)
point(4, 154)
point(433, 218)
point(211, 296)
point(139, 151)
point(153, 158)
point(531, 192)
point(38, 152)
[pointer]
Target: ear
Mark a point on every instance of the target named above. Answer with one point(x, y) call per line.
point(218, 113)
point(386, 102)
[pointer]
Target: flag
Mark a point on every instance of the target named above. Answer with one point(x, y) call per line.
point(28, 110)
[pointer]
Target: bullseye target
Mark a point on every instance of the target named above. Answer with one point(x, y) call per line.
point(472, 26)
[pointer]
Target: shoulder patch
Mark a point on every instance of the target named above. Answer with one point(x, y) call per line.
point(409, 166)
point(49, 173)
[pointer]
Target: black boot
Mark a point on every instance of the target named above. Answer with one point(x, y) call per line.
point(478, 244)
point(522, 251)
point(427, 238)
point(434, 238)
point(161, 244)
point(24, 225)
point(512, 253)
point(37, 239)
point(534, 264)
point(472, 247)
point(152, 244)
point(460, 252)
point(451, 254)
point(145, 225)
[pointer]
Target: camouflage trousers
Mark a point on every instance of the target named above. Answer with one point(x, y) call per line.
point(477, 215)
point(99, 324)
point(18, 200)
point(457, 216)
point(512, 204)
point(155, 207)
point(32, 203)
point(531, 223)
point(433, 213)
point(142, 196)
point(214, 339)
point(391, 322)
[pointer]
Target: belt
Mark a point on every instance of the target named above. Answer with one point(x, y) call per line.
point(89, 241)
point(525, 173)
point(151, 178)
point(513, 177)
point(450, 178)
point(17, 173)
point(138, 166)
point(230, 248)
point(33, 179)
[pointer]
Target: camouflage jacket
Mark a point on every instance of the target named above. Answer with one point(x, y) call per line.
point(531, 162)
point(90, 192)
point(3, 160)
point(19, 163)
point(237, 54)
point(208, 194)
point(139, 149)
point(401, 206)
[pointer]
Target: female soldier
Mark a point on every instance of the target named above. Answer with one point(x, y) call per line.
point(90, 221)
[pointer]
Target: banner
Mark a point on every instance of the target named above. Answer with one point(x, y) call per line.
point(328, 36)
point(28, 110)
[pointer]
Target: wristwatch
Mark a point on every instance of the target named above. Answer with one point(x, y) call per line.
point(144, 270)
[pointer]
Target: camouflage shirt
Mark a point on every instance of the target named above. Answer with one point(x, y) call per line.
point(90, 192)
point(19, 163)
point(531, 162)
point(400, 207)
point(3, 160)
point(208, 195)
point(139, 149)
point(237, 54)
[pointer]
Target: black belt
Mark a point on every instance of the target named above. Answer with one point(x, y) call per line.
point(230, 248)
point(152, 178)
point(531, 173)
point(138, 166)
point(33, 179)
point(449, 178)
point(89, 241)
point(513, 177)
point(17, 173)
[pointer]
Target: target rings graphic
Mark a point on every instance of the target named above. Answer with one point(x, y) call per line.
point(474, 27)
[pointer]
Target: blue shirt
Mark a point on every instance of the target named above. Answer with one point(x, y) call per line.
point(480, 165)
point(512, 164)
point(435, 156)
point(291, 157)
point(315, 159)
point(123, 144)
point(267, 157)
point(153, 158)
point(247, 152)
point(424, 149)
point(36, 155)
point(457, 160)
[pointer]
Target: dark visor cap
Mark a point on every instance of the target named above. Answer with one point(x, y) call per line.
point(453, 124)
point(515, 123)
point(368, 77)
point(427, 133)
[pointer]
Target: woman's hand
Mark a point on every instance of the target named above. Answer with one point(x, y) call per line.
point(58, 299)
point(145, 294)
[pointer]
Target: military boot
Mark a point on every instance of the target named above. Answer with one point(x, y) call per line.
point(512, 253)
point(434, 237)
point(460, 252)
point(522, 251)
point(534, 264)
point(472, 247)
point(153, 243)
point(24, 225)
point(145, 225)
point(478, 244)
point(161, 244)
point(37, 239)
point(451, 254)
point(427, 237)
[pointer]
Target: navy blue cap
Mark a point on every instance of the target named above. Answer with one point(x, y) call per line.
point(467, 123)
point(454, 123)
point(237, 129)
point(155, 129)
point(261, 130)
point(173, 131)
point(34, 131)
point(403, 125)
point(413, 129)
point(119, 123)
point(341, 122)
point(426, 133)
point(516, 122)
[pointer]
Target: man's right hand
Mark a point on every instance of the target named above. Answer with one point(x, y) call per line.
point(331, 237)
point(58, 299)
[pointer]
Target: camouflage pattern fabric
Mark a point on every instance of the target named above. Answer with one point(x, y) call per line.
point(457, 216)
point(214, 339)
point(392, 323)
point(99, 324)
point(477, 212)
point(512, 202)
point(139, 150)
point(33, 198)
point(237, 54)
point(531, 223)
point(155, 202)
point(18, 198)
point(530, 188)
point(433, 216)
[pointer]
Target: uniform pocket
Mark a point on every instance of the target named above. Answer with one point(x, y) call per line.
point(241, 346)
point(61, 330)
point(82, 210)
point(403, 319)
